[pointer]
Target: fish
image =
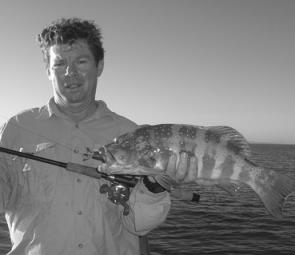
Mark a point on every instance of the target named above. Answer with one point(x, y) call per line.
point(222, 155)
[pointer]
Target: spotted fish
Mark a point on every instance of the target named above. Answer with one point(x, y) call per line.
point(222, 156)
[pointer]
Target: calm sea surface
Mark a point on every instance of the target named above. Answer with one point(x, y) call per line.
point(221, 223)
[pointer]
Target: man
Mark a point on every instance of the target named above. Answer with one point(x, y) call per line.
point(53, 211)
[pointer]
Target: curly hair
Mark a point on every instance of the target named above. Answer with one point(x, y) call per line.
point(67, 31)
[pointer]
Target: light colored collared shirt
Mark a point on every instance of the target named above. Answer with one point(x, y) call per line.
point(50, 210)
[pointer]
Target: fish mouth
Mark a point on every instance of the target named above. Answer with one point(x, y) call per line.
point(103, 155)
point(109, 157)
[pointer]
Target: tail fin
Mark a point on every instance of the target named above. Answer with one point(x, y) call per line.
point(275, 190)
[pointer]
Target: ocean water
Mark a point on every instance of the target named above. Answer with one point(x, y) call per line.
point(222, 223)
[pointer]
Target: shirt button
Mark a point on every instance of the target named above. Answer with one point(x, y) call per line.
point(79, 180)
point(80, 245)
point(76, 150)
point(79, 212)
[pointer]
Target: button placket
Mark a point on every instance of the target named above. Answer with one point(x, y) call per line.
point(79, 144)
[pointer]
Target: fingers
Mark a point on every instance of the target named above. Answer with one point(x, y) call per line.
point(165, 181)
point(102, 168)
point(171, 166)
point(185, 171)
point(182, 167)
point(192, 170)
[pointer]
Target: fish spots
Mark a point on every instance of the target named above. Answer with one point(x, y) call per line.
point(143, 133)
point(121, 146)
point(163, 131)
point(207, 166)
point(141, 144)
point(186, 136)
point(188, 131)
point(211, 136)
point(126, 143)
point(182, 143)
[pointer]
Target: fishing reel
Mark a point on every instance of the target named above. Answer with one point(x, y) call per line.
point(118, 191)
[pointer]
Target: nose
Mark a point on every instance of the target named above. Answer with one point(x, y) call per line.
point(71, 70)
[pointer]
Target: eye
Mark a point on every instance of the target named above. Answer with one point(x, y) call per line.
point(82, 61)
point(126, 144)
point(117, 140)
point(57, 66)
point(121, 157)
point(58, 63)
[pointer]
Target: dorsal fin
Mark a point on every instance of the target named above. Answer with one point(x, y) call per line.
point(143, 125)
point(235, 141)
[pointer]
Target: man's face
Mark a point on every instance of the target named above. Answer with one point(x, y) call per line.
point(73, 73)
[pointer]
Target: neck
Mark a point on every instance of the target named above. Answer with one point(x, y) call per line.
point(76, 111)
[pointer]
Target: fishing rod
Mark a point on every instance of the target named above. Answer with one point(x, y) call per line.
point(89, 171)
point(118, 191)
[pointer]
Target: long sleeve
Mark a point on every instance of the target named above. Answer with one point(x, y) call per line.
point(5, 184)
point(55, 211)
point(8, 175)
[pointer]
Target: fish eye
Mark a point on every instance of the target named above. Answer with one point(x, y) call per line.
point(126, 144)
point(117, 140)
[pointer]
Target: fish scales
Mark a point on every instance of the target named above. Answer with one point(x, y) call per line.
point(222, 158)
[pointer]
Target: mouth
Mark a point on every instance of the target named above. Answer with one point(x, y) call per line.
point(73, 86)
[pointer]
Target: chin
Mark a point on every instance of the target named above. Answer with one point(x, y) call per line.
point(75, 102)
point(74, 99)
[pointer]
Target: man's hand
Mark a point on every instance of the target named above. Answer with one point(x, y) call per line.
point(184, 171)
point(117, 194)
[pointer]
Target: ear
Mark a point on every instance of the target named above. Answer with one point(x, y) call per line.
point(48, 72)
point(100, 66)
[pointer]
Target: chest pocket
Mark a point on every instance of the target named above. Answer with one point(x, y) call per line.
point(38, 179)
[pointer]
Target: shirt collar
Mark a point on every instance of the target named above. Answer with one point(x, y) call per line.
point(50, 109)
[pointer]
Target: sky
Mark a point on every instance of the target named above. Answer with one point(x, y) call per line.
point(199, 62)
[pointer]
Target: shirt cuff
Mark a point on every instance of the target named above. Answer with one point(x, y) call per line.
point(150, 209)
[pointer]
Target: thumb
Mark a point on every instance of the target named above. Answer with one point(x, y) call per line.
point(165, 181)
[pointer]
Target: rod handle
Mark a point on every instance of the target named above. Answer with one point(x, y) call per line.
point(82, 169)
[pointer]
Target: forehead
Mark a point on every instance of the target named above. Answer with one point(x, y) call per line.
point(79, 47)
